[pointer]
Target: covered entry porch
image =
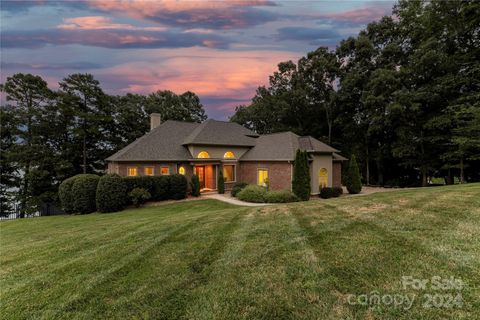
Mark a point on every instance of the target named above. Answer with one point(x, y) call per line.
point(207, 173)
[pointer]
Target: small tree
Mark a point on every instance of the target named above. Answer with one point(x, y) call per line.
point(139, 196)
point(221, 182)
point(195, 184)
point(353, 181)
point(111, 193)
point(301, 176)
point(84, 189)
point(66, 195)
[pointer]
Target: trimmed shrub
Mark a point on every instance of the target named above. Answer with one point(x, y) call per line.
point(139, 196)
point(157, 186)
point(65, 195)
point(354, 181)
point(337, 192)
point(178, 187)
point(111, 193)
point(195, 185)
point(144, 182)
point(301, 176)
point(220, 182)
point(280, 196)
point(161, 189)
point(326, 193)
point(84, 190)
point(237, 187)
point(253, 193)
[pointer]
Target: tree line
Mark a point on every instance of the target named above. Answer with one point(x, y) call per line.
point(50, 135)
point(403, 95)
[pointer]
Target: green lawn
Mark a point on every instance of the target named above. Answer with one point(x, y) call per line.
point(206, 259)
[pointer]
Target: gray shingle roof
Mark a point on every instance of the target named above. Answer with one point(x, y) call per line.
point(311, 144)
point(162, 143)
point(213, 132)
point(338, 157)
point(275, 146)
point(168, 142)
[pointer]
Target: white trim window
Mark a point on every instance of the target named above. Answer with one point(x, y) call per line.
point(229, 173)
point(149, 171)
point(262, 177)
point(165, 171)
point(132, 171)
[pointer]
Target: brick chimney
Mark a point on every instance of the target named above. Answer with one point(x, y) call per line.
point(155, 120)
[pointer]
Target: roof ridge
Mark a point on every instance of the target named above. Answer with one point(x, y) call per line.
point(136, 141)
point(280, 132)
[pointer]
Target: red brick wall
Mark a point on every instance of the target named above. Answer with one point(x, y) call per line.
point(279, 173)
point(337, 174)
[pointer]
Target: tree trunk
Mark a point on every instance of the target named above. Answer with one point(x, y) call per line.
point(85, 136)
point(329, 132)
point(380, 172)
point(462, 176)
point(449, 179)
point(424, 176)
point(84, 153)
point(368, 167)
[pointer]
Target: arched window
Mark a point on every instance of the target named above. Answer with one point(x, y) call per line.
point(229, 155)
point(323, 178)
point(203, 155)
point(181, 170)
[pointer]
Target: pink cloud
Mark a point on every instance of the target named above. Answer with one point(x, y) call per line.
point(191, 14)
point(100, 23)
point(360, 16)
point(208, 73)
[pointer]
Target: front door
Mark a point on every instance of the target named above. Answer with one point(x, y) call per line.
point(200, 172)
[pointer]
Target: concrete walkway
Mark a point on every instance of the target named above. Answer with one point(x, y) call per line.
point(231, 200)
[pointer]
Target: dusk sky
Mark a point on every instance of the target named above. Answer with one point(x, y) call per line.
point(222, 51)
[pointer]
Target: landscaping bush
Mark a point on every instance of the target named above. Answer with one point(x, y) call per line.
point(84, 189)
point(195, 185)
point(301, 176)
point(253, 193)
point(280, 196)
point(353, 181)
point(326, 193)
point(65, 194)
point(337, 191)
point(144, 182)
point(178, 187)
point(220, 182)
point(161, 190)
point(157, 186)
point(139, 196)
point(111, 193)
point(237, 187)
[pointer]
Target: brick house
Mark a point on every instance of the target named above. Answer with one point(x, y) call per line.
point(244, 156)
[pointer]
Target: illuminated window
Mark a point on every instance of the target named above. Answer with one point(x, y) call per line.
point(203, 155)
point(149, 171)
point(132, 171)
point(262, 177)
point(323, 178)
point(181, 170)
point(229, 173)
point(229, 155)
point(165, 171)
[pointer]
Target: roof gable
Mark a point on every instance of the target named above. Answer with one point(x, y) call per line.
point(310, 144)
point(213, 132)
point(162, 143)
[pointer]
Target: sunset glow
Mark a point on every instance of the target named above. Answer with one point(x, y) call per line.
point(221, 50)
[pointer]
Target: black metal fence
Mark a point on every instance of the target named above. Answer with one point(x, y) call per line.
point(46, 209)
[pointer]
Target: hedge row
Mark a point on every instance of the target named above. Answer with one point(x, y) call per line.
point(327, 192)
point(253, 193)
point(85, 193)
